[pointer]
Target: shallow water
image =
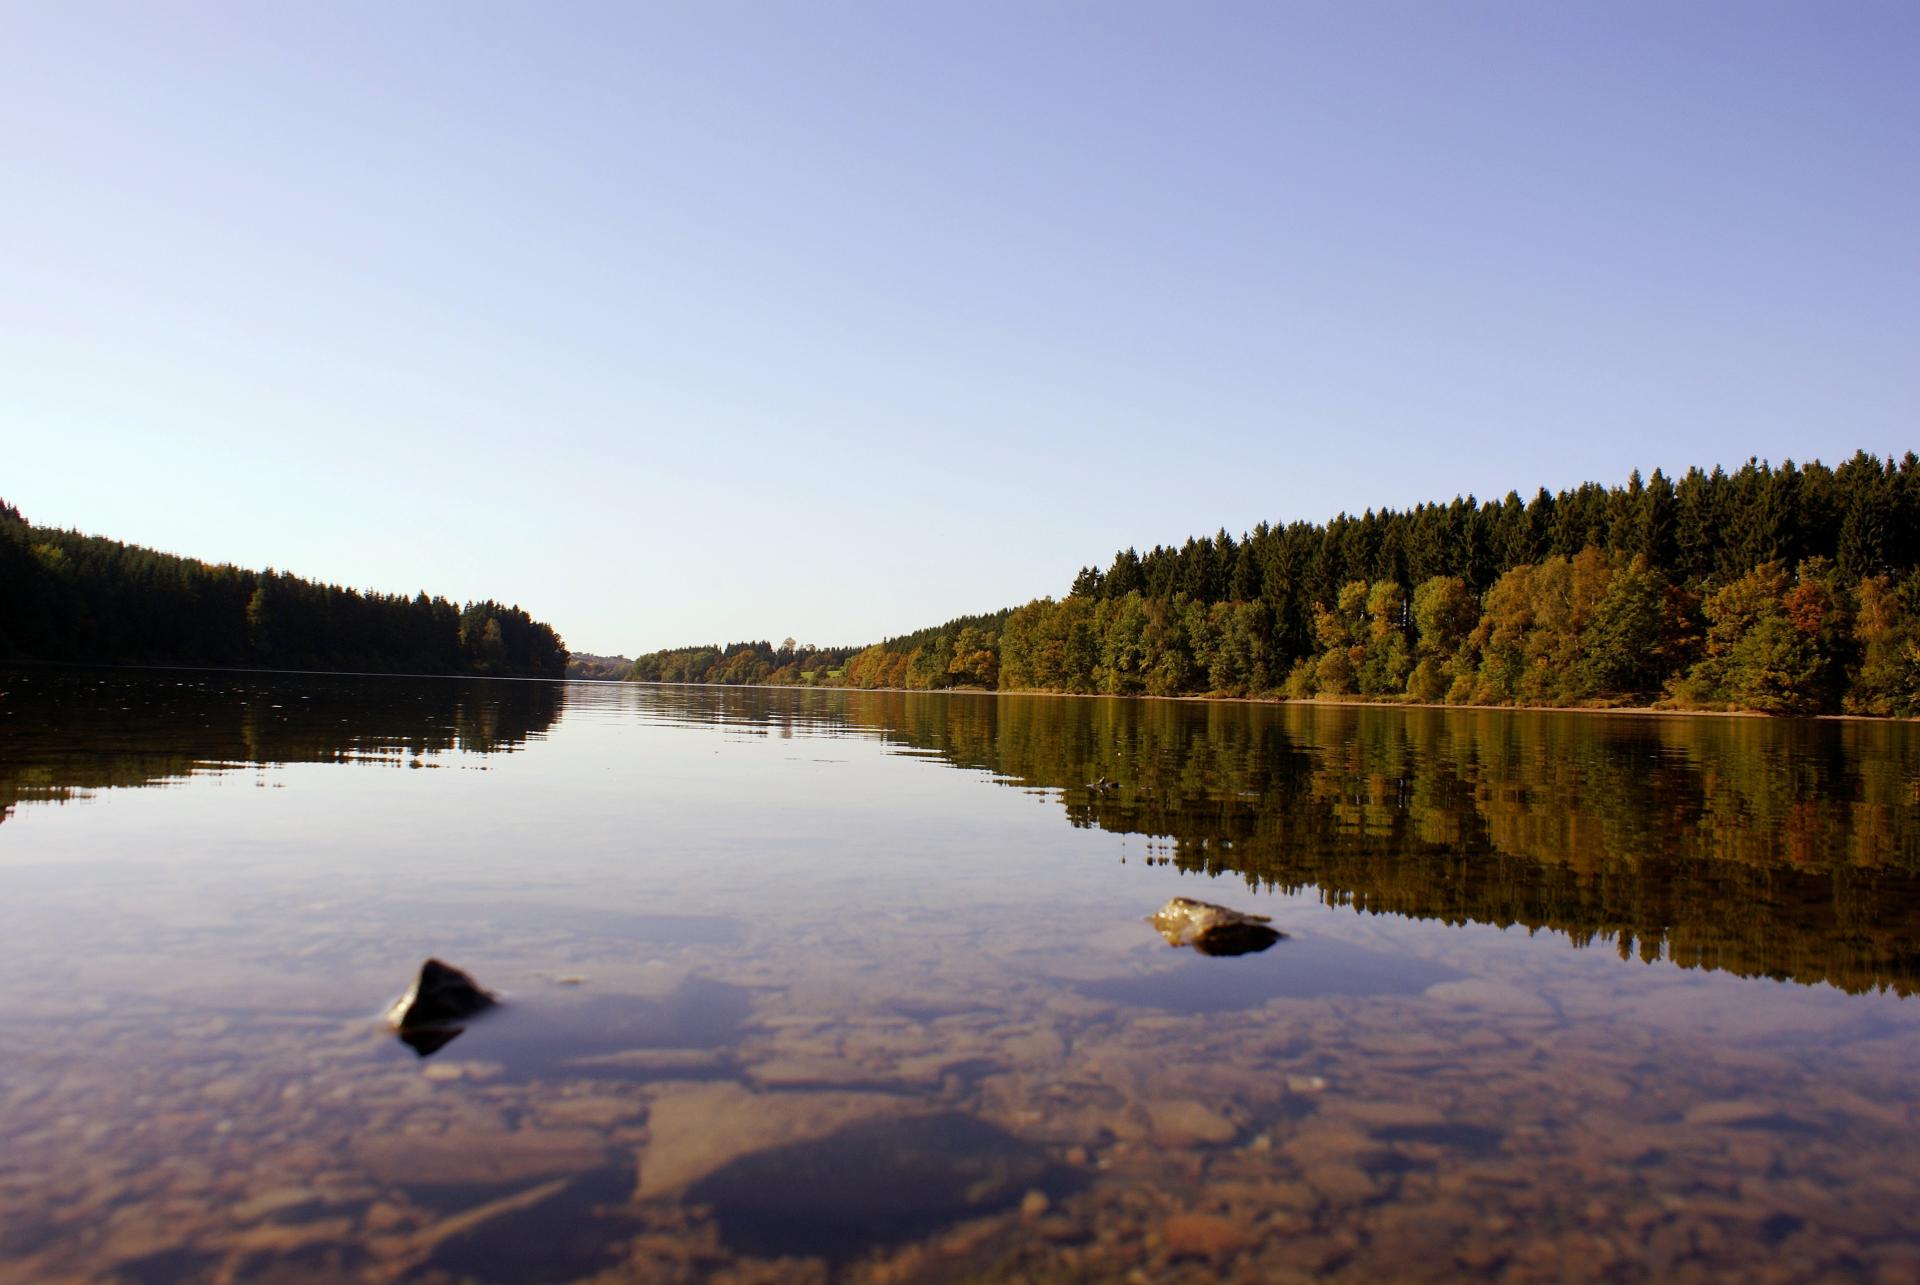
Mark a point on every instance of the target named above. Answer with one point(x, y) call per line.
point(830, 985)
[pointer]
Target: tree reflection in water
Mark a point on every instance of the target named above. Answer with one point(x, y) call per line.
point(1778, 848)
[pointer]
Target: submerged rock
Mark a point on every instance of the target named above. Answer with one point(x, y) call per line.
point(1211, 929)
point(873, 1182)
point(441, 999)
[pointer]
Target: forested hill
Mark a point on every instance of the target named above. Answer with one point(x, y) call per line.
point(65, 596)
point(1786, 590)
point(964, 652)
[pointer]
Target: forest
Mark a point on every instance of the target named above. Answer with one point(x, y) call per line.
point(1784, 590)
point(65, 596)
point(961, 653)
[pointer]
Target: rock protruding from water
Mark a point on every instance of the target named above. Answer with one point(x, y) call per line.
point(442, 997)
point(1211, 929)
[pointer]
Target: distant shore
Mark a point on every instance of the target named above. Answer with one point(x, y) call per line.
point(1637, 711)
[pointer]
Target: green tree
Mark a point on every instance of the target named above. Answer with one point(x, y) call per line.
point(1887, 632)
point(1756, 657)
point(1444, 614)
point(976, 660)
point(1625, 648)
point(1388, 657)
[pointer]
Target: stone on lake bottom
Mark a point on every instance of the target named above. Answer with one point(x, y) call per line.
point(478, 1158)
point(1205, 1236)
point(1730, 1114)
point(696, 1128)
point(1186, 1123)
point(880, 1181)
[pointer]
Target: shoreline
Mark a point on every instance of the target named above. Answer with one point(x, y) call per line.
point(1636, 711)
point(263, 669)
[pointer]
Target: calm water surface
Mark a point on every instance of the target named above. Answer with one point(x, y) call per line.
point(857, 986)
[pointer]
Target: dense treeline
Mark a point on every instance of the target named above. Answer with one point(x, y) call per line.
point(74, 597)
point(1789, 590)
point(1786, 590)
point(583, 664)
point(742, 664)
point(964, 652)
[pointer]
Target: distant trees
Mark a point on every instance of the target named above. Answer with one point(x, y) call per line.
point(582, 664)
point(738, 664)
point(72, 597)
point(1789, 590)
point(964, 652)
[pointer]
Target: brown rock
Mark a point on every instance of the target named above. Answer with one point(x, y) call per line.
point(1185, 1123)
point(1480, 1256)
point(382, 1216)
point(518, 1156)
point(1728, 1113)
point(257, 1207)
point(1205, 1236)
point(440, 995)
point(1296, 1196)
point(1061, 1230)
point(694, 1129)
point(274, 1238)
point(1341, 1183)
point(1211, 929)
point(1327, 1142)
point(140, 1233)
point(1389, 1115)
point(1836, 1098)
point(420, 1243)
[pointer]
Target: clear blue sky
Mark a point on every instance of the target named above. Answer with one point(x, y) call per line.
point(692, 322)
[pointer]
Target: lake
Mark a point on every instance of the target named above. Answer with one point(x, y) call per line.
point(824, 985)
